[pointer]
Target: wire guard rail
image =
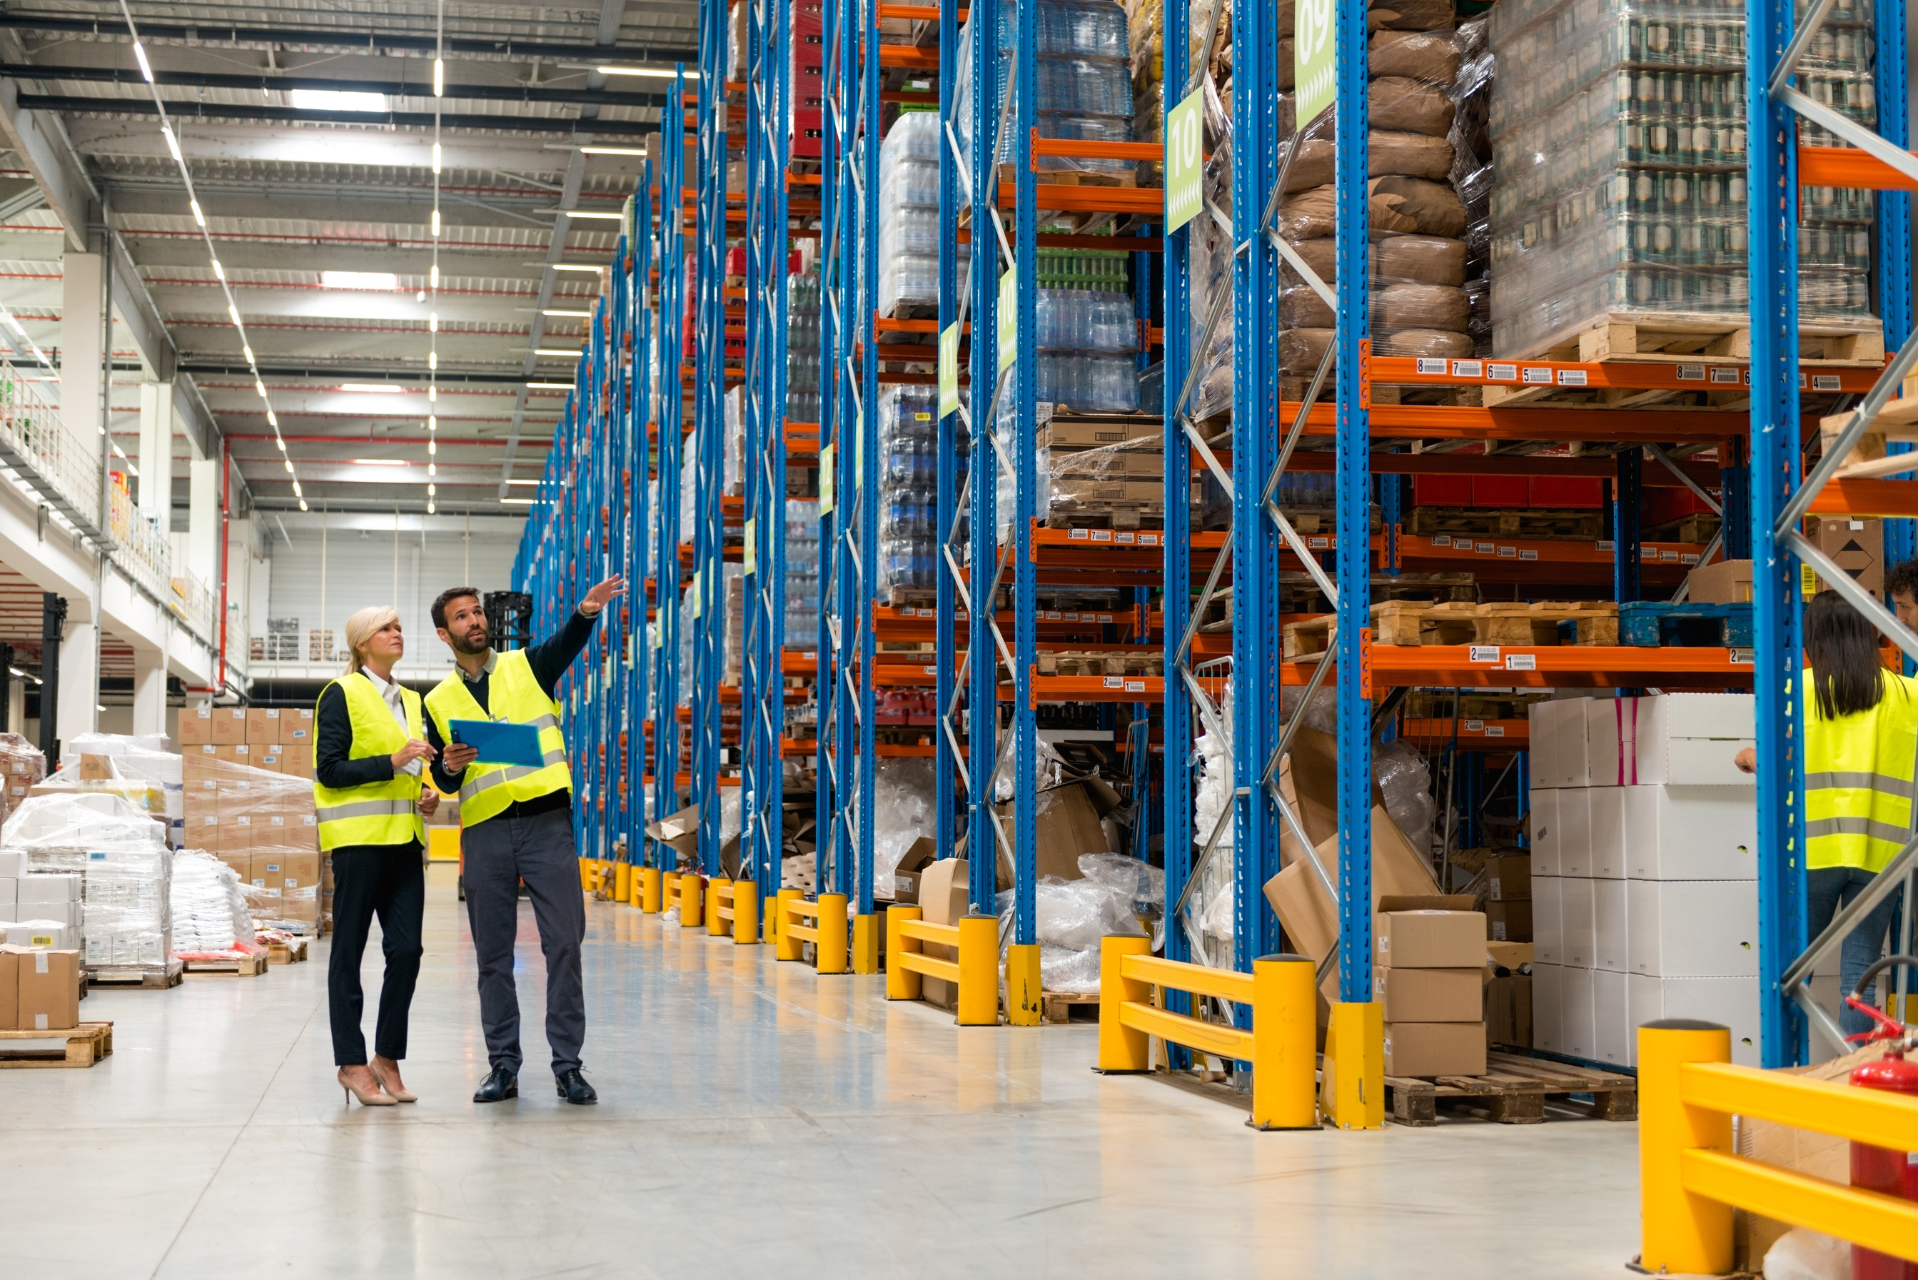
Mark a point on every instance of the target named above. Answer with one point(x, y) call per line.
point(1691, 1182)
point(827, 933)
point(736, 903)
point(1280, 1045)
point(974, 971)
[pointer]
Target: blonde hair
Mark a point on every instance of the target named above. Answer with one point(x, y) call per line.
point(360, 629)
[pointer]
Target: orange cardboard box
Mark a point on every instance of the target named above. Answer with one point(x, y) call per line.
point(296, 759)
point(299, 871)
point(49, 990)
point(237, 832)
point(196, 726)
point(208, 833)
point(229, 725)
point(296, 726)
point(268, 760)
point(268, 870)
point(263, 725)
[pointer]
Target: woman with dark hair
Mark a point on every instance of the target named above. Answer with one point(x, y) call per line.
point(1859, 751)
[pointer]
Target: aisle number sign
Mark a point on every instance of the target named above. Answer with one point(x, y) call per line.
point(1007, 322)
point(1183, 160)
point(696, 593)
point(826, 480)
point(747, 558)
point(1313, 58)
point(950, 369)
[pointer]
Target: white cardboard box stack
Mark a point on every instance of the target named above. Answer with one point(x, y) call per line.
point(1644, 880)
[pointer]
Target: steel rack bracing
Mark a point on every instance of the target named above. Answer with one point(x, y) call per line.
point(764, 451)
point(710, 230)
point(664, 425)
point(1781, 495)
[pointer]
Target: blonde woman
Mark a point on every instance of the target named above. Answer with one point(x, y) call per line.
point(370, 794)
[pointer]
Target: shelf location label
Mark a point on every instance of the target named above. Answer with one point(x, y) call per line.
point(950, 369)
point(1007, 322)
point(1184, 167)
point(1313, 58)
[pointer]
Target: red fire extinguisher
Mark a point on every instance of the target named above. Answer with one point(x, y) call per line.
point(1883, 1169)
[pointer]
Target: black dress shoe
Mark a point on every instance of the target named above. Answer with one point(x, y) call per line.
point(499, 1085)
point(573, 1086)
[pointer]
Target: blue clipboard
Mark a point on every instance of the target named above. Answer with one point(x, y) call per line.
point(500, 742)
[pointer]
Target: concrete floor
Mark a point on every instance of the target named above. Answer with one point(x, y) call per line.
point(754, 1121)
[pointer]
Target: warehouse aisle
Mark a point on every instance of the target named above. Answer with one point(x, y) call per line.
point(753, 1117)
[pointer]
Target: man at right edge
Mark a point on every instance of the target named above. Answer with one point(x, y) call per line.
point(516, 826)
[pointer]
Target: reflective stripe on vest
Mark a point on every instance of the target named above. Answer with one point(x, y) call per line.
point(1860, 778)
point(373, 813)
point(513, 695)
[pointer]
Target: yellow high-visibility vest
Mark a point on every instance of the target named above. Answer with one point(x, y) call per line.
point(374, 812)
point(512, 695)
point(1860, 778)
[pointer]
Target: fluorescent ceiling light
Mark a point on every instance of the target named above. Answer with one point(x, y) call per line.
point(517, 502)
point(555, 351)
point(359, 280)
point(378, 462)
point(140, 56)
point(555, 311)
point(523, 482)
point(591, 213)
point(657, 73)
point(549, 386)
point(374, 388)
point(613, 151)
point(336, 100)
point(574, 266)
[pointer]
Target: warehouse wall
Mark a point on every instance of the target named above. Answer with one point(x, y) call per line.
point(374, 560)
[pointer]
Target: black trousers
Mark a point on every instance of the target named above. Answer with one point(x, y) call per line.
point(370, 879)
point(501, 852)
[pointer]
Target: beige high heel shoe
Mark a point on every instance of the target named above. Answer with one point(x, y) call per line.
point(398, 1095)
point(374, 1099)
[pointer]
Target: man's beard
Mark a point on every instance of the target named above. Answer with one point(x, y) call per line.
point(470, 648)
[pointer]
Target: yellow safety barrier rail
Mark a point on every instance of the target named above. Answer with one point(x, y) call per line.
point(974, 971)
point(1691, 1181)
point(735, 903)
point(827, 933)
point(1280, 1046)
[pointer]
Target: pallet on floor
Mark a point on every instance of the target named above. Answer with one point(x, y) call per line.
point(1066, 1006)
point(1515, 1090)
point(77, 1046)
point(1651, 624)
point(235, 966)
point(1568, 526)
point(150, 977)
point(1456, 622)
point(287, 951)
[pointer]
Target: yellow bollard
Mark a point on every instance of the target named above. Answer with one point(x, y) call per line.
point(1680, 1231)
point(669, 889)
point(634, 880)
point(1023, 984)
point(1121, 1048)
point(692, 885)
point(902, 983)
point(784, 948)
point(770, 919)
point(866, 944)
point(718, 891)
point(746, 912)
point(979, 996)
point(1283, 1050)
point(830, 955)
point(586, 874)
point(622, 881)
point(1352, 1075)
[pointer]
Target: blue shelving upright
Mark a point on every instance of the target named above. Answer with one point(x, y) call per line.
point(709, 426)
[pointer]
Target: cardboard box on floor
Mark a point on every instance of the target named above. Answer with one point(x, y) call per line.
point(1307, 911)
point(907, 875)
point(1509, 1011)
point(943, 900)
point(678, 831)
point(49, 985)
point(10, 987)
point(1066, 824)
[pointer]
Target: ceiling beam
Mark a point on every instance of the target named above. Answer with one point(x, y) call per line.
point(43, 146)
point(273, 82)
point(236, 141)
point(73, 104)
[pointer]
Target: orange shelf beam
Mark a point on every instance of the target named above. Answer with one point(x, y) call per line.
point(1850, 167)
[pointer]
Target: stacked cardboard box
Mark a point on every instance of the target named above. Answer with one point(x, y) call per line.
point(1510, 897)
point(39, 988)
point(250, 804)
point(1430, 963)
point(1643, 871)
point(21, 766)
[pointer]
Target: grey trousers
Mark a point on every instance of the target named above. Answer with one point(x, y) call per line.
point(500, 853)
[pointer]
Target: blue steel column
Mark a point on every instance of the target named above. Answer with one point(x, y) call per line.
point(1626, 524)
point(666, 426)
point(826, 681)
point(983, 471)
point(709, 427)
point(1176, 714)
point(772, 462)
point(1780, 789)
point(841, 291)
point(637, 759)
point(1025, 389)
point(860, 866)
point(1893, 218)
point(1355, 810)
point(946, 657)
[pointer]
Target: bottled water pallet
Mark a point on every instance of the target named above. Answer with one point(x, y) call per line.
point(1399, 622)
point(1651, 624)
point(1571, 526)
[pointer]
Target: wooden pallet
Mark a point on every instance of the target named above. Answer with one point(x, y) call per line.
point(1075, 177)
point(1514, 1091)
point(1107, 515)
point(1663, 337)
point(1697, 528)
point(238, 966)
point(1455, 622)
point(1063, 1007)
point(145, 976)
point(1098, 664)
point(1489, 522)
point(1650, 624)
point(79, 1046)
point(292, 951)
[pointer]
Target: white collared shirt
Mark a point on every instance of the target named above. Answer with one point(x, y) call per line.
point(390, 694)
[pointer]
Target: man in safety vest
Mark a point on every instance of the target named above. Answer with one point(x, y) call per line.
point(516, 826)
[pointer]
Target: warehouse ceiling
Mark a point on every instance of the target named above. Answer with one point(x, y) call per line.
point(296, 182)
